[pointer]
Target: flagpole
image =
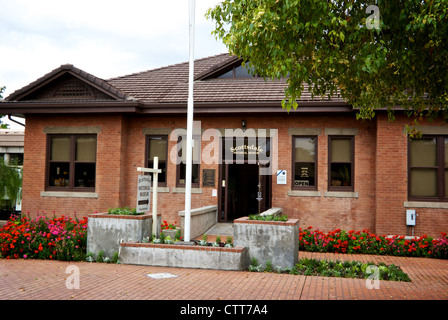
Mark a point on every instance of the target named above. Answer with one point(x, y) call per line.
point(189, 150)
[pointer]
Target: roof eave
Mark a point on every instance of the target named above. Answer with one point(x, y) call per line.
point(24, 108)
point(246, 107)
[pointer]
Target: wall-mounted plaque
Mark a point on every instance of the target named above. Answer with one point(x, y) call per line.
point(208, 177)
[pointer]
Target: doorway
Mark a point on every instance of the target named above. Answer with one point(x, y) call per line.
point(245, 188)
point(243, 191)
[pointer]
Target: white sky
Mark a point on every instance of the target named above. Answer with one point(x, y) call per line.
point(105, 38)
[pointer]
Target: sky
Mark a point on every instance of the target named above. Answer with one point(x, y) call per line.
point(105, 38)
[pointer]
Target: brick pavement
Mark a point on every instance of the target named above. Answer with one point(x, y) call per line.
point(46, 280)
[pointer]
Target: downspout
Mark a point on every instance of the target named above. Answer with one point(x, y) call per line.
point(15, 121)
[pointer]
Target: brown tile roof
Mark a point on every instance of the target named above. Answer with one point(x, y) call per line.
point(170, 85)
point(90, 79)
point(165, 90)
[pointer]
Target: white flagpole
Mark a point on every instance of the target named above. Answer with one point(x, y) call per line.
point(189, 126)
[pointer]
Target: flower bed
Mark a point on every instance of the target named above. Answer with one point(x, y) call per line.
point(365, 242)
point(60, 238)
point(65, 238)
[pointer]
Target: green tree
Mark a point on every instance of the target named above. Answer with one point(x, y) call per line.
point(383, 56)
point(10, 182)
point(2, 125)
point(10, 175)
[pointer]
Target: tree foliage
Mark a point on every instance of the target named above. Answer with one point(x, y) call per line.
point(395, 59)
point(2, 125)
point(10, 182)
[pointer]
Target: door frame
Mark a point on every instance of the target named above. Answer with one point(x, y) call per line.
point(223, 175)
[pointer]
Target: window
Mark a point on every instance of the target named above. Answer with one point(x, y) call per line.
point(71, 162)
point(304, 163)
point(428, 168)
point(182, 167)
point(157, 146)
point(238, 72)
point(341, 163)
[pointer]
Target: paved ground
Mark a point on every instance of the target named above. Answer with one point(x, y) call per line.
point(55, 280)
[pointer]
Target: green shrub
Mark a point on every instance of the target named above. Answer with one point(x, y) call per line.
point(268, 217)
point(124, 211)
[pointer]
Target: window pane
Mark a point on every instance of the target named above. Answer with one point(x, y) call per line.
point(305, 149)
point(446, 183)
point(158, 148)
point(446, 152)
point(86, 149)
point(85, 175)
point(60, 149)
point(423, 153)
point(424, 182)
point(304, 174)
point(194, 173)
point(227, 75)
point(341, 150)
point(59, 174)
point(243, 72)
point(161, 177)
point(196, 150)
point(341, 174)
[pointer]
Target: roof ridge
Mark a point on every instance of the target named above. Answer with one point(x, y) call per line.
point(165, 67)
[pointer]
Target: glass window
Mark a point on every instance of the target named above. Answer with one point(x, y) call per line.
point(157, 146)
point(341, 163)
point(71, 162)
point(182, 168)
point(428, 168)
point(304, 163)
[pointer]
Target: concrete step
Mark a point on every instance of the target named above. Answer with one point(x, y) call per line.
point(221, 229)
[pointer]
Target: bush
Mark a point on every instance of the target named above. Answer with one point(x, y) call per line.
point(365, 242)
point(60, 238)
point(331, 268)
point(124, 211)
point(270, 217)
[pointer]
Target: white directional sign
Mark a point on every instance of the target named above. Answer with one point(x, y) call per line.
point(143, 193)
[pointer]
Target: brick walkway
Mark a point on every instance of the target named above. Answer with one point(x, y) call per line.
point(40, 279)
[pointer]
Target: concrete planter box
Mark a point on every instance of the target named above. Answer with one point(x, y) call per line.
point(269, 240)
point(105, 232)
point(183, 256)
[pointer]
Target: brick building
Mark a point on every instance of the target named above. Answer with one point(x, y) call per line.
point(86, 137)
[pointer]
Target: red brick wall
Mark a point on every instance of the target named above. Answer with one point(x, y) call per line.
point(328, 213)
point(380, 171)
point(108, 177)
point(392, 184)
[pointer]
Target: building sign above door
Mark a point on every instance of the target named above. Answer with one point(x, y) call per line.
point(246, 149)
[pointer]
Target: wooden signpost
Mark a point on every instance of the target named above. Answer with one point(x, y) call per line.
point(155, 178)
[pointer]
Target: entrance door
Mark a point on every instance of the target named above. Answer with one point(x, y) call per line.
point(243, 191)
